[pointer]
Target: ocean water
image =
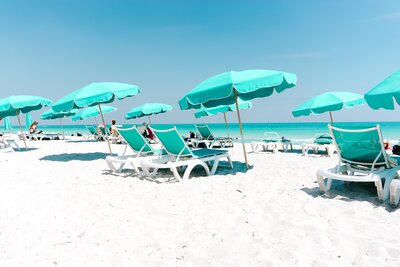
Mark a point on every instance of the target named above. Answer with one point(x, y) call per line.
point(297, 132)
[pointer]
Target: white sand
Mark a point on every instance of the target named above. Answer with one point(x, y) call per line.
point(60, 207)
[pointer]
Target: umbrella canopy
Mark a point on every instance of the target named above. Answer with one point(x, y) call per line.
point(328, 102)
point(7, 123)
point(52, 115)
point(249, 84)
point(382, 95)
point(28, 120)
point(14, 105)
point(91, 112)
point(95, 93)
point(147, 109)
point(226, 88)
point(222, 109)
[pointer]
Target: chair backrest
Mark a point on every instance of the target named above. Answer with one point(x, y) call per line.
point(360, 147)
point(92, 129)
point(323, 139)
point(103, 131)
point(272, 136)
point(173, 142)
point(204, 131)
point(135, 140)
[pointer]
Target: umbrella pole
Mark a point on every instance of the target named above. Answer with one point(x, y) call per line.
point(330, 115)
point(149, 119)
point(226, 125)
point(20, 127)
point(241, 129)
point(104, 125)
point(62, 129)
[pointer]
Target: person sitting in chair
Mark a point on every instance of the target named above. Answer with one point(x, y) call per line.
point(146, 131)
point(33, 128)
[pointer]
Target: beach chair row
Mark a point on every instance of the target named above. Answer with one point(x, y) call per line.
point(175, 155)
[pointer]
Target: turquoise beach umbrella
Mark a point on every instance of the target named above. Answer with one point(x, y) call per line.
point(96, 94)
point(7, 123)
point(28, 120)
point(14, 105)
point(382, 95)
point(328, 102)
point(147, 109)
point(52, 115)
point(227, 88)
point(222, 109)
point(91, 112)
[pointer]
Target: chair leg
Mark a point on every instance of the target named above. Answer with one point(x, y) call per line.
point(190, 168)
point(303, 150)
point(215, 166)
point(110, 164)
point(134, 166)
point(228, 157)
point(386, 189)
point(379, 189)
point(187, 172)
point(285, 147)
point(145, 169)
point(121, 166)
point(176, 174)
point(154, 171)
point(388, 181)
point(395, 192)
point(321, 182)
point(274, 148)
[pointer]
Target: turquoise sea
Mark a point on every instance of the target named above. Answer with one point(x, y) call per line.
point(298, 132)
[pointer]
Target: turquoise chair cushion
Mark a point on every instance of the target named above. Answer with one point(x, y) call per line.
point(202, 153)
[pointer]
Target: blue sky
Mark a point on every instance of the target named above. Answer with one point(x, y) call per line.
point(50, 48)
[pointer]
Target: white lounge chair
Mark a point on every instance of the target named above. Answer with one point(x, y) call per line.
point(5, 145)
point(43, 136)
point(321, 142)
point(96, 134)
point(140, 147)
point(273, 141)
point(180, 155)
point(362, 158)
point(209, 139)
point(11, 141)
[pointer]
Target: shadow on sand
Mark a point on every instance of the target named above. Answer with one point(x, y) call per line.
point(350, 192)
point(22, 149)
point(76, 156)
point(166, 176)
